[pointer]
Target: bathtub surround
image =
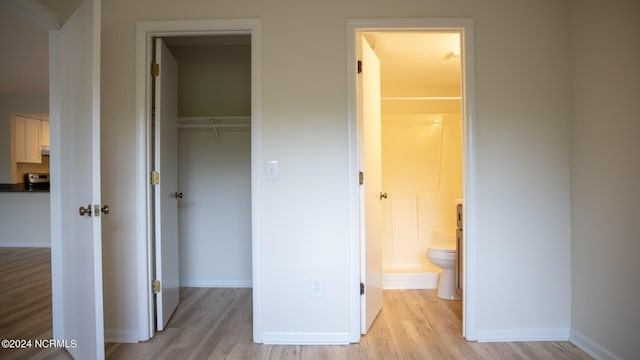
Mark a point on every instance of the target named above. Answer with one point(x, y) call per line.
point(422, 173)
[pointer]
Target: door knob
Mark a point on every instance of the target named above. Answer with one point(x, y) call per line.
point(85, 211)
point(105, 209)
point(383, 195)
point(178, 195)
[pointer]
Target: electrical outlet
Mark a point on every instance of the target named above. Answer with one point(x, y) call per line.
point(317, 287)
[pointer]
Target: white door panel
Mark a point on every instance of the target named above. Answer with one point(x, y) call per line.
point(370, 206)
point(166, 163)
point(76, 243)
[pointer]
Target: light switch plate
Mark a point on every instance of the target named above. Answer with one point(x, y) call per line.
point(271, 170)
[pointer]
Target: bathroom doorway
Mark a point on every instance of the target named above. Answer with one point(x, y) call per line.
point(424, 154)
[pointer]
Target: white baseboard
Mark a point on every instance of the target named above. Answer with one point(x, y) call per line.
point(591, 347)
point(534, 334)
point(120, 336)
point(410, 281)
point(28, 244)
point(216, 283)
point(295, 338)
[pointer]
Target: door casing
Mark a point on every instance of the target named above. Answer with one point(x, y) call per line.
point(465, 28)
point(145, 32)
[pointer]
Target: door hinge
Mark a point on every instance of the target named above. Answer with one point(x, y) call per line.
point(361, 178)
point(155, 178)
point(359, 66)
point(155, 69)
point(361, 288)
point(156, 286)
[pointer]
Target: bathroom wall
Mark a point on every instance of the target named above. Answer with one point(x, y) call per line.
point(422, 175)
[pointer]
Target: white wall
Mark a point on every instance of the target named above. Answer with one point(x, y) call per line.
point(604, 177)
point(522, 126)
point(215, 80)
point(24, 219)
point(215, 213)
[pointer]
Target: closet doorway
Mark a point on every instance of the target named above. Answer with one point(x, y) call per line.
point(201, 166)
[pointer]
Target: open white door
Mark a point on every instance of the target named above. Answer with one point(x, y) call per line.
point(76, 243)
point(370, 192)
point(166, 191)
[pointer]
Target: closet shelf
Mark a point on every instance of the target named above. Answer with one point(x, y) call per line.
point(214, 122)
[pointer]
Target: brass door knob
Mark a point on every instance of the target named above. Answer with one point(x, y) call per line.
point(85, 211)
point(105, 209)
point(383, 195)
point(178, 195)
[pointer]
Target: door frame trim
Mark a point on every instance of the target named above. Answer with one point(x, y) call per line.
point(145, 31)
point(465, 28)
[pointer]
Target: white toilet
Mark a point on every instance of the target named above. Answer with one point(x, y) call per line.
point(444, 257)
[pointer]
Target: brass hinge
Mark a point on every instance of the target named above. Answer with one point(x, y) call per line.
point(361, 178)
point(359, 66)
point(155, 178)
point(361, 288)
point(156, 286)
point(155, 69)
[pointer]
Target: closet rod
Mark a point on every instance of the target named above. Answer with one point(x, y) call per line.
point(205, 118)
point(214, 126)
point(423, 98)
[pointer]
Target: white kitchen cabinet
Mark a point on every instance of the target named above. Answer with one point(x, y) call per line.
point(28, 148)
point(44, 134)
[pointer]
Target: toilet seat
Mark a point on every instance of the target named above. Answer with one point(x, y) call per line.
point(441, 254)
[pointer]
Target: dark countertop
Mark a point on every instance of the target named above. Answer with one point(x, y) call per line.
point(21, 188)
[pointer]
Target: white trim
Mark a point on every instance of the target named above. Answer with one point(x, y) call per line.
point(38, 12)
point(410, 281)
point(465, 27)
point(25, 245)
point(145, 30)
point(591, 347)
point(216, 283)
point(532, 334)
point(120, 336)
point(311, 338)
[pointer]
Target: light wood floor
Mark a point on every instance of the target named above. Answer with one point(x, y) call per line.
point(216, 324)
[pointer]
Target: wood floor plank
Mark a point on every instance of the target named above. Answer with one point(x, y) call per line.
point(217, 324)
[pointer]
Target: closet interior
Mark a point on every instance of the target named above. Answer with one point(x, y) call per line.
point(214, 159)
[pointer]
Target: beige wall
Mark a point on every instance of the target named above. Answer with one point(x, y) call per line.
point(522, 129)
point(24, 75)
point(604, 177)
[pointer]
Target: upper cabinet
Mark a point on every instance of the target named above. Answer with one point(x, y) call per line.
point(30, 135)
point(44, 134)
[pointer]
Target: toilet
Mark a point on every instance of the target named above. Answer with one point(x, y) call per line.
point(444, 257)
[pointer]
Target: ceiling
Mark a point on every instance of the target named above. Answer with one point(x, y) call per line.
point(418, 65)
